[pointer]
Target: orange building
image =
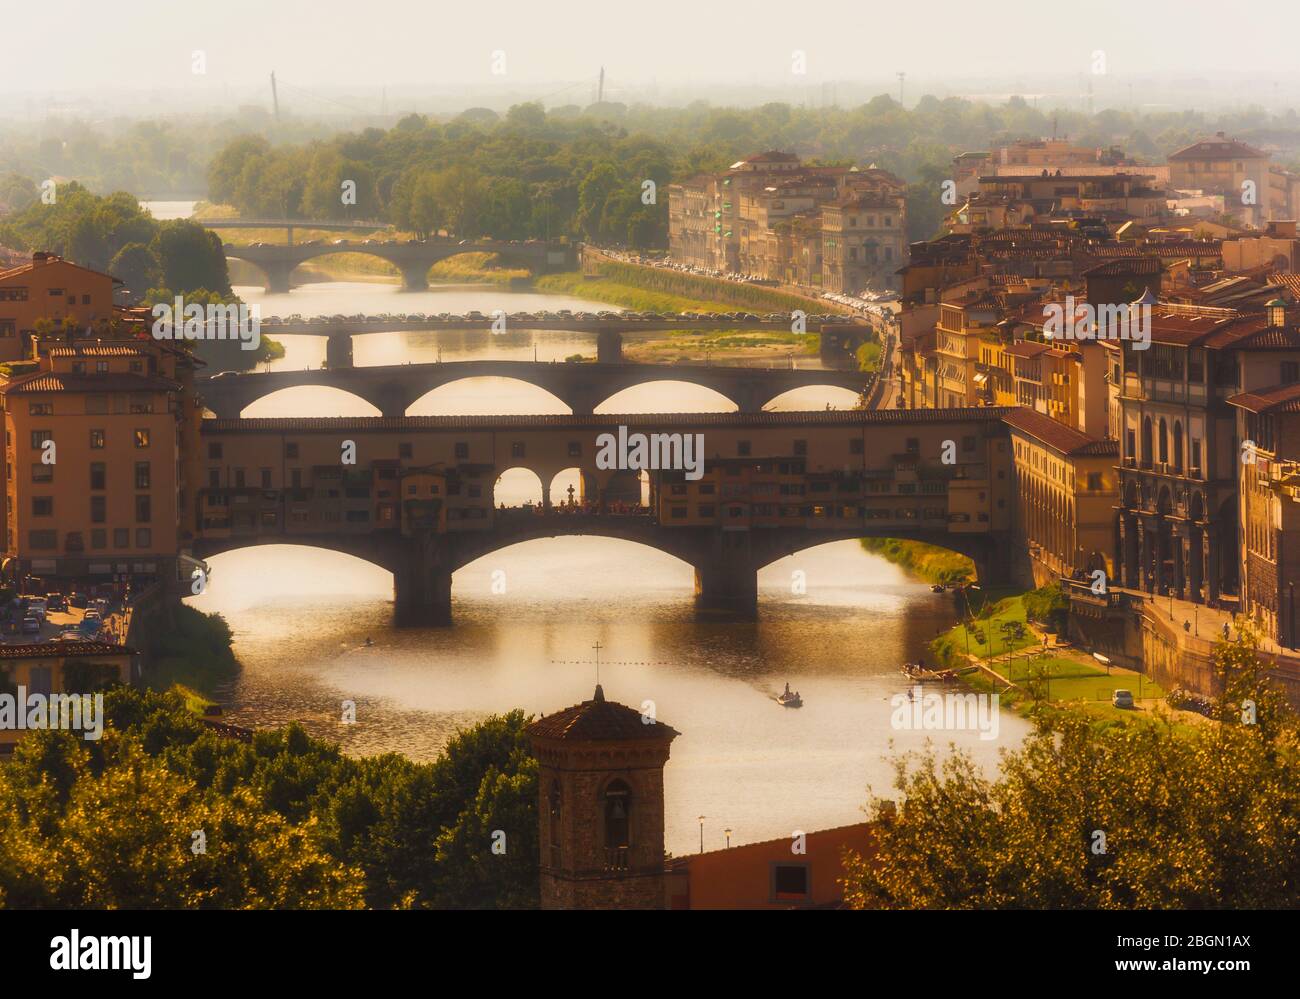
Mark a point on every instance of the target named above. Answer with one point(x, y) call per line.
point(54, 289)
point(59, 671)
point(802, 871)
point(94, 473)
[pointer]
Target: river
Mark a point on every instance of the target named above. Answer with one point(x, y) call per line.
point(301, 618)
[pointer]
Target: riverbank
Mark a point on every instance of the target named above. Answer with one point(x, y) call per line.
point(189, 648)
point(623, 294)
point(1032, 669)
point(730, 294)
point(930, 562)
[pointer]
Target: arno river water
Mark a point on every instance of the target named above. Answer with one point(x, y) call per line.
point(301, 618)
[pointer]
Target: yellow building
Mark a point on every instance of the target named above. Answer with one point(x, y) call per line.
point(50, 669)
point(1066, 491)
point(94, 470)
point(54, 290)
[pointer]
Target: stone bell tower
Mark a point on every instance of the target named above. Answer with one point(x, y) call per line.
point(601, 806)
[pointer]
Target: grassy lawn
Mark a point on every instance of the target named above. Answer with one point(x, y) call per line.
point(984, 636)
point(1073, 679)
point(627, 296)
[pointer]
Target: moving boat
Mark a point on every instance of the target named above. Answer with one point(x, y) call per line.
point(789, 699)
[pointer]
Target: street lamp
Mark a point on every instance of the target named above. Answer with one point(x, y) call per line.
point(727, 832)
point(701, 834)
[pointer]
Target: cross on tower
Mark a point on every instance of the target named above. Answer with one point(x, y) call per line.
point(597, 647)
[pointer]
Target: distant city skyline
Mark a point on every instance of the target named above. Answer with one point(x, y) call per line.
point(394, 54)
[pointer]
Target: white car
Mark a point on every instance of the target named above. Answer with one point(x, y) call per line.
point(1122, 698)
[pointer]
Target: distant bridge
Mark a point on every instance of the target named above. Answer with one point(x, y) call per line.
point(329, 225)
point(528, 321)
point(392, 389)
point(412, 257)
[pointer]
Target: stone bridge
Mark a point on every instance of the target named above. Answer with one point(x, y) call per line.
point(392, 389)
point(726, 564)
point(413, 257)
point(418, 497)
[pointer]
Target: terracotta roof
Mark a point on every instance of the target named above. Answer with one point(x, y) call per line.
point(47, 261)
point(1278, 399)
point(1124, 266)
point(1217, 148)
point(1027, 348)
point(52, 381)
point(1059, 437)
point(97, 350)
point(63, 649)
point(599, 720)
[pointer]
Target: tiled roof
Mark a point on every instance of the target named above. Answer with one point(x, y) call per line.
point(1278, 399)
point(97, 350)
point(51, 381)
point(1215, 149)
point(1027, 348)
point(1125, 266)
point(1066, 440)
point(63, 649)
point(599, 720)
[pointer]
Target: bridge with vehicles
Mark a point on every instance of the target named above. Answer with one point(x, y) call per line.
point(418, 495)
point(412, 257)
point(289, 225)
point(581, 323)
point(392, 389)
point(839, 336)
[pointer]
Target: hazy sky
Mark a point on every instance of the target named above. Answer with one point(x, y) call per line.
point(93, 47)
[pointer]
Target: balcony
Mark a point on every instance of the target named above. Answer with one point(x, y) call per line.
point(616, 858)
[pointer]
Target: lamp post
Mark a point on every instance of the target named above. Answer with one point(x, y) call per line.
point(727, 833)
point(701, 834)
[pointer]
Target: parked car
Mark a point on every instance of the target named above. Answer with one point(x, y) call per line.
point(1122, 698)
point(31, 626)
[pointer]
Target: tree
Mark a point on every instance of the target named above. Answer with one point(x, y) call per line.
point(137, 267)
point(1130, 815)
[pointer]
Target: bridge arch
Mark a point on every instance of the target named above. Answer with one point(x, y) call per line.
point(480, 395)
point(519, 486)
point(627, 394)
point(310, 401)
point(811, 397)
point(583, 483)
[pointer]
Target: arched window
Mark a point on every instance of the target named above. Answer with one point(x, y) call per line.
point(618, 810)
point(1164, 440)
point(1178, 445)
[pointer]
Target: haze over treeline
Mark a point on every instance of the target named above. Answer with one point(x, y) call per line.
point(567, 171)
